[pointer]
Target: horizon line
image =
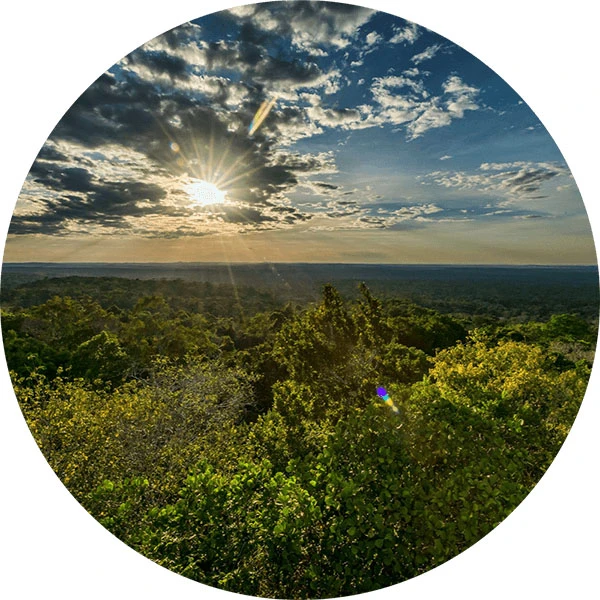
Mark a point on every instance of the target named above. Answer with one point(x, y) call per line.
point(267, 262)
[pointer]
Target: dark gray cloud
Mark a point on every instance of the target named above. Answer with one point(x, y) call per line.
point(275, 70)
point(113, 111)
point(48, 152)
point(508, 181)
point(255, 55)
point(274, 217)
point(127, 112)
point(161, 63)
point(92, 202)
point(49, 224)
point(528, 182)
point(180, 36)
point(377, 222)
point(311, 26)
point(100, 195)
point(61, 178)
point(244, 214)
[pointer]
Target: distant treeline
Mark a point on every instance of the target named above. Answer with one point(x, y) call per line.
point(508, 293)
point(201, 297)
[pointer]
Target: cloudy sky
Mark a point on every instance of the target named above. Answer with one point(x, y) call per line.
point(380, 142)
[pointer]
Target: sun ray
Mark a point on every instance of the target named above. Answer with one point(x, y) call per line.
point(199, 164)
point(211, 151)
point(173, 143)
point(233, 180)
point(223, 182)
point(232, 279)
point(212, 168)
point(224, 155)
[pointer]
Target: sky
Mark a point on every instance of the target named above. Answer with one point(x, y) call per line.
point(380, 142)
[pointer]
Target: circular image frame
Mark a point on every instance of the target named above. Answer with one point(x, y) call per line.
point(546, 121)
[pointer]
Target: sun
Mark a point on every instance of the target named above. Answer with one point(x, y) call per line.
point(205, 193)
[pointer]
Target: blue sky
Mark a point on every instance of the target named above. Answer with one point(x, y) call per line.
point(385, 143)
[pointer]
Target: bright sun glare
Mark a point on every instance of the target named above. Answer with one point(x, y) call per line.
point(205, 193)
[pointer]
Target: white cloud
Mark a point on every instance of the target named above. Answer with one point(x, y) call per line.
point(186, 47)
point(414, 72)
point(427, 54)
point(244, 11)
point(296, 127)
point(417, 210)
point(313, 99)
point(455, 85)
point(234, 93)
point(406, 35)
point(461, 96)
point(333, 83)
point(432, 117)
point(383, 95)
point(373, 38)
point(404, 100)
point(520, 164)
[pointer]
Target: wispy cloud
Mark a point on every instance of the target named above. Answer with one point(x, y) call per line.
point(509, 182)
point(427, 54)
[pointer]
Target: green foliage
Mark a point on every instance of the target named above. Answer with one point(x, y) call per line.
point(568, 328)
point(101, 357)
point(121, 507)
point(403, 364)
point(26, 354)
point(156, 428)
point(426, 330)
point(250, 451)
point(250, 531)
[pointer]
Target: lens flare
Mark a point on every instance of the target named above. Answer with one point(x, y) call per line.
point(382, 393)
point(261, 114)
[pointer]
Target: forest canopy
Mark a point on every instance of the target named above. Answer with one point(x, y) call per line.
point(238, 439)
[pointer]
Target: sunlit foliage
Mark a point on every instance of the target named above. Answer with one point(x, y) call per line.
point(250, 451)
